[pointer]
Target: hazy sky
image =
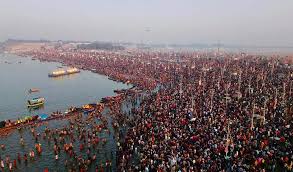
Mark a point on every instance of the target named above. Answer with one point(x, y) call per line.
point(253, 22)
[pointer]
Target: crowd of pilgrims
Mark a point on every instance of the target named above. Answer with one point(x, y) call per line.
point(198, 113)
point(77, 142)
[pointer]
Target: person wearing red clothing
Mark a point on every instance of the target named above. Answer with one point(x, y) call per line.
point(14, 164)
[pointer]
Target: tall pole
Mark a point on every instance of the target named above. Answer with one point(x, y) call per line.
point(218, 46)
point(192, 103)
point(228, 137)
point(276, 101)
point(284, 91)
point(228, 132)
point(257, 79)
point(265, 109)
point(272, 69)
point(212, 97)
point(290, 88)
point(289, 84)
point(180, 89)
point(239, 85)
point(199, 82)
point(226, 98)
point(263, 81)
point(246, 66)
point(252, 116)
point(239, 82)
point(276, 98)
point(249, 86)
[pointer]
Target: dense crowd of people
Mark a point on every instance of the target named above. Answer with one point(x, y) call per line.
point(78, 140)
point(229, 113)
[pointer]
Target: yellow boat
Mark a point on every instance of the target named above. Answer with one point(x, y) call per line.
point(62, 72)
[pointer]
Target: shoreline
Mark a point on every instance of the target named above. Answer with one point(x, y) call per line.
point(83, 65)
point(5, 131)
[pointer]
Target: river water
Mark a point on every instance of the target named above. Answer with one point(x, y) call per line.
point(17, 76)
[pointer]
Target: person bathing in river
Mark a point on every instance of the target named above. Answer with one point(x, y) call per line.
point(2, 165)
point(21, 141)
point(18, 157)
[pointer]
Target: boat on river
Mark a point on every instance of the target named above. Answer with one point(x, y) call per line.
point(61, 72)
point(87, 108)
point(36, 102)
point(33, 90)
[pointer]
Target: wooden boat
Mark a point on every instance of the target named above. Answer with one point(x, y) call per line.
point(105, 99)
point(87, 108)
point(120, 91)
point(36, 102)
point(33, 90)
point(113, 79)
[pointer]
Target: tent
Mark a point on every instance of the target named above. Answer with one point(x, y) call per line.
point(43, 116)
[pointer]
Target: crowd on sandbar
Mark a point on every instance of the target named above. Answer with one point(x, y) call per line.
point(229, 113)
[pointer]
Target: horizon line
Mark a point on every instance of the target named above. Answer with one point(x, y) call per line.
point(205, 45)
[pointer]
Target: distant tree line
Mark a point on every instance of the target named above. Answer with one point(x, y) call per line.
point(27, 41)
point(100, 46)
point(1, 47)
